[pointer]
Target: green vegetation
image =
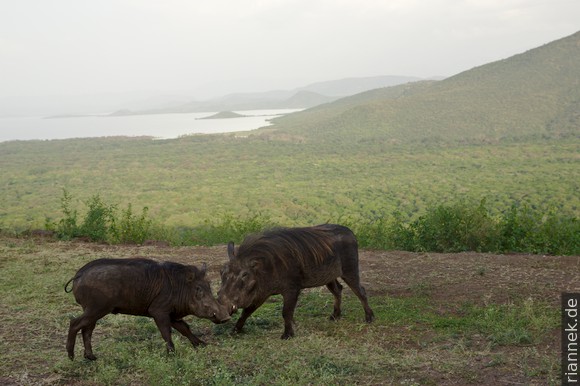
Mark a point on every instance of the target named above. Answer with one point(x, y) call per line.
point(473, 227)
point(101, 223)
point(444, 228)
point(531, 95)
point(191, 181)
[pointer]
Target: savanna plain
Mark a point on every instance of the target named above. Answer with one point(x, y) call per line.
point(442, 318)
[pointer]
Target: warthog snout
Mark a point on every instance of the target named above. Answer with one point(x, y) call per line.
point(219, 319)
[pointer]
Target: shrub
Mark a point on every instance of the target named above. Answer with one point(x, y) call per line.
point(383, 232)
point(67, 227)
point(230, 228)
point(462, 226)
point(523, 229)
point(455, 228)
point(372, 233)
point(466, 226)
point(130, 228)
point(98, 222)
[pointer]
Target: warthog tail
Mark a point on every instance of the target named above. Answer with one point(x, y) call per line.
point(69, 290)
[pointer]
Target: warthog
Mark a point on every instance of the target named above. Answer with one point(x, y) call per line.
point(165, 291)
point(284, 261)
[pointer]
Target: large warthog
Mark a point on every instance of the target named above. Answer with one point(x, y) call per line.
point(165, 291)
point(284, 261)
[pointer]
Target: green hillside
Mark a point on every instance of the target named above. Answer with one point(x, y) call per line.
point(506, 134)
point(534, 94)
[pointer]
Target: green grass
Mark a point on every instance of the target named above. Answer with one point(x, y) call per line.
point(412, 338)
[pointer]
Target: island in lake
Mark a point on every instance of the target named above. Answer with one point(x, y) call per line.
point(225, 115)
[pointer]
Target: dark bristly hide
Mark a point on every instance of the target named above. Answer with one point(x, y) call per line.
point(286, 260)
point(164, 291)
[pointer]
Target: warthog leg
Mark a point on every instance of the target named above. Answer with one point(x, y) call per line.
point(85, 323)
point(183, 328)
point(246, 312)
point(336, 289)
point(163, 322)
point(290, 300)
point(353, 282)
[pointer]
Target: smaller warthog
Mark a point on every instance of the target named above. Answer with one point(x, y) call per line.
point(284, 261)
point(165, 291)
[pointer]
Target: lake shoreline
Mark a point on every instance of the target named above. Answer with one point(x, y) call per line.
point(157, 126)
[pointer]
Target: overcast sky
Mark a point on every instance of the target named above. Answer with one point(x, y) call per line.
point(208, 48)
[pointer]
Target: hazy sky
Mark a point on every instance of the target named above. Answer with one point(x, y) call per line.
point(208, 48)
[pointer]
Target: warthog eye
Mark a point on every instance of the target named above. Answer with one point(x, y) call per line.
point(244, 277)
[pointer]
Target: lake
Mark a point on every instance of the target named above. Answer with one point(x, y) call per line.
point(162, 126)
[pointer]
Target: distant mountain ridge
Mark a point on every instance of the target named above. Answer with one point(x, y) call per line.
point(300, 98)
point(350, 86)
point(533, 94)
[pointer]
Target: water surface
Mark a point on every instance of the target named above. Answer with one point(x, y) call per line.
point(160, 126)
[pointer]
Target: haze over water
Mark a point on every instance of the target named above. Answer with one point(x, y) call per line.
point(161, 126)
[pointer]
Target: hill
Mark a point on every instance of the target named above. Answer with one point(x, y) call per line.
point(533, 94)
point(300, 98)
point(351, 86)
point(246, 101)
point(224, 115)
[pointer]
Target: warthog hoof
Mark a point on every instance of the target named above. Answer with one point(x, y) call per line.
point(91, 357)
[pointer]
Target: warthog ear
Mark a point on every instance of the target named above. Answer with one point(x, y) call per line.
point(231, 250)
point(195, 273)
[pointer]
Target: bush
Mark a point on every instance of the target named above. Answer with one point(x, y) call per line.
point(466, 226)
point(99, 220)
point(462, 226)
point(100, 223)
point(455, 228)
point(67, 227)
point(523, 229)
point(229, 228)
point(131, 229)
point(383, 232)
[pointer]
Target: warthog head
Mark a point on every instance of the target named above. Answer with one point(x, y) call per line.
point(239, 281)
point(202, 302)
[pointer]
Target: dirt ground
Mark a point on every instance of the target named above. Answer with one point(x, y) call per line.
point(449, 280)
point(447, 277)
